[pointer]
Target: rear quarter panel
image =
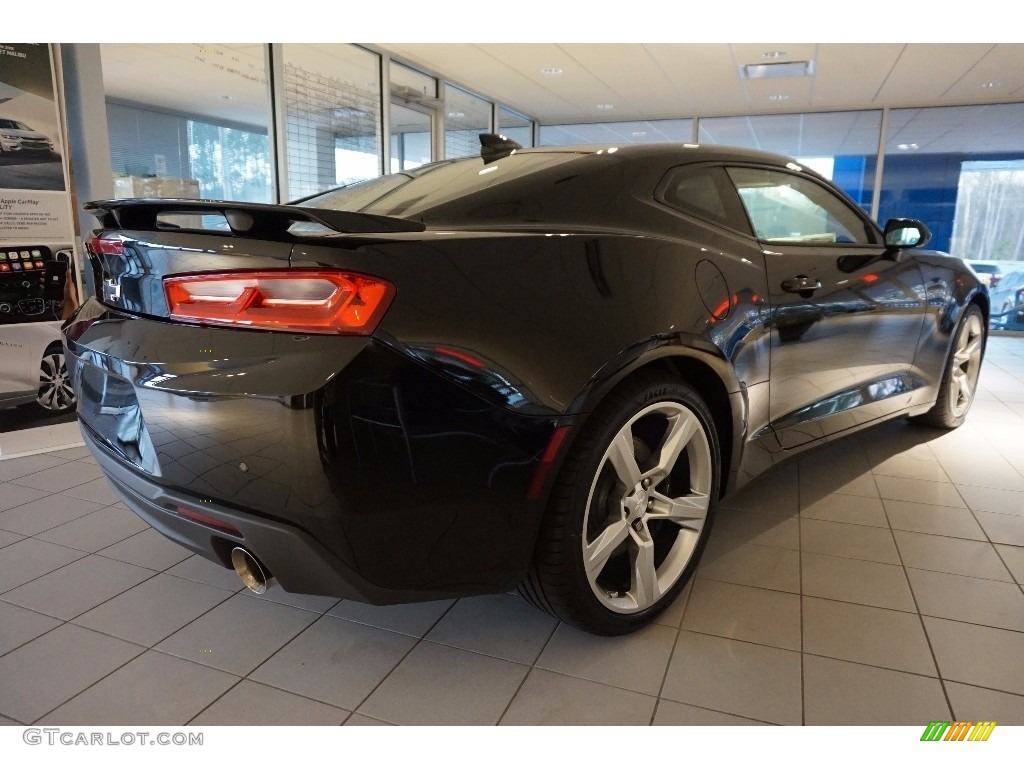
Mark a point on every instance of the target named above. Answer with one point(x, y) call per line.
point(541, 316)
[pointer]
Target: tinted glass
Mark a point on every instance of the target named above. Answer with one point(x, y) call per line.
point(706, 194)
point(440, 183)
point(785, 208)
point(356, 196)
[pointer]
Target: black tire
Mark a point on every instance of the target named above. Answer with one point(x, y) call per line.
point(960, 376)
point(55, 394)
point(643, 540)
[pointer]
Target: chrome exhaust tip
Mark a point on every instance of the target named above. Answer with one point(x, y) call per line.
point(250, 571)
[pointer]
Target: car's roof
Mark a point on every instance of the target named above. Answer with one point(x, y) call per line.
point(696, 152)
point(676, 152)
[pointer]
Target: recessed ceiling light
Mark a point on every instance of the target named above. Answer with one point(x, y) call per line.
point(905, 147)
point(604, 106)
point(991, 85)
point(778, 96)
point(456, 114)
point(639, 133)
point(228, 97)
point(773, 54)
point(551, 71)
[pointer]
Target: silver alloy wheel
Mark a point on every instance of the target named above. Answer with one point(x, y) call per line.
point(55, 393)
point(966, 364)
point(642, 517)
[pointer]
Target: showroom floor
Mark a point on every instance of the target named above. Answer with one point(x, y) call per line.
point(876, 581)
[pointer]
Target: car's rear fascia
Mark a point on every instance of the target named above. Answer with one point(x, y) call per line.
point(347, 468)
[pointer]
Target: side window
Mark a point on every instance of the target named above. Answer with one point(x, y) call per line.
point(786, 208)
point(704, 192)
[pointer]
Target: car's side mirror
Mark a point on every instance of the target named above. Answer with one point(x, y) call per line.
point(906, 233)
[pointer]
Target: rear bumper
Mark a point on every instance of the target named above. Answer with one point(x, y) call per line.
point(291, 555)
point(349, 468)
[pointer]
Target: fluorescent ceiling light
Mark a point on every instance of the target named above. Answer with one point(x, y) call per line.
point(551, 71)
point(782, 69)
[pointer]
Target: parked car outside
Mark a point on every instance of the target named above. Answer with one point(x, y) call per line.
point(1008, 300)
point(990, 272)
point(535, 368)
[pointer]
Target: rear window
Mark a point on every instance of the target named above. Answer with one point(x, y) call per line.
point(407, 194)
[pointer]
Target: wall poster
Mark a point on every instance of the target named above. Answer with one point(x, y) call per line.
point(38, 269)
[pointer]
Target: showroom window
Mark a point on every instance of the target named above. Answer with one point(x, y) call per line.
point(206, 140)
point(841, 146)
point(626, 132)
point(413, 105)
point(332, 116)
point(515, 126)
point(961, 171)
point(466, 117)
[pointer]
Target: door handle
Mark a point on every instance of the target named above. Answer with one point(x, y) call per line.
point(801, 284)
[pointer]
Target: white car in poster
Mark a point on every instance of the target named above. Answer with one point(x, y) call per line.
point(16, 136)
point(32, 367)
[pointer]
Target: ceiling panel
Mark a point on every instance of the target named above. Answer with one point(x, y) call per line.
point(642, 81)
point(633, 78)
point(924, 72)
point(225, 81)
point(852, 74)
point(705, 75)
point(997, 76)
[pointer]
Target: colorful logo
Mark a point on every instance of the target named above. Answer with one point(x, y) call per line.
point(959, 730)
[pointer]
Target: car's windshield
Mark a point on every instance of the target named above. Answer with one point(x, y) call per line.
point(13, 125)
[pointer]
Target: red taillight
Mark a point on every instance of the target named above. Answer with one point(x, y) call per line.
point(98, 245)
point(308, 301)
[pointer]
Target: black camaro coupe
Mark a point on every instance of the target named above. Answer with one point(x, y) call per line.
point(534, 368)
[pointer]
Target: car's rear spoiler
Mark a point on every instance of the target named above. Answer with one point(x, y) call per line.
point(256, 220)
